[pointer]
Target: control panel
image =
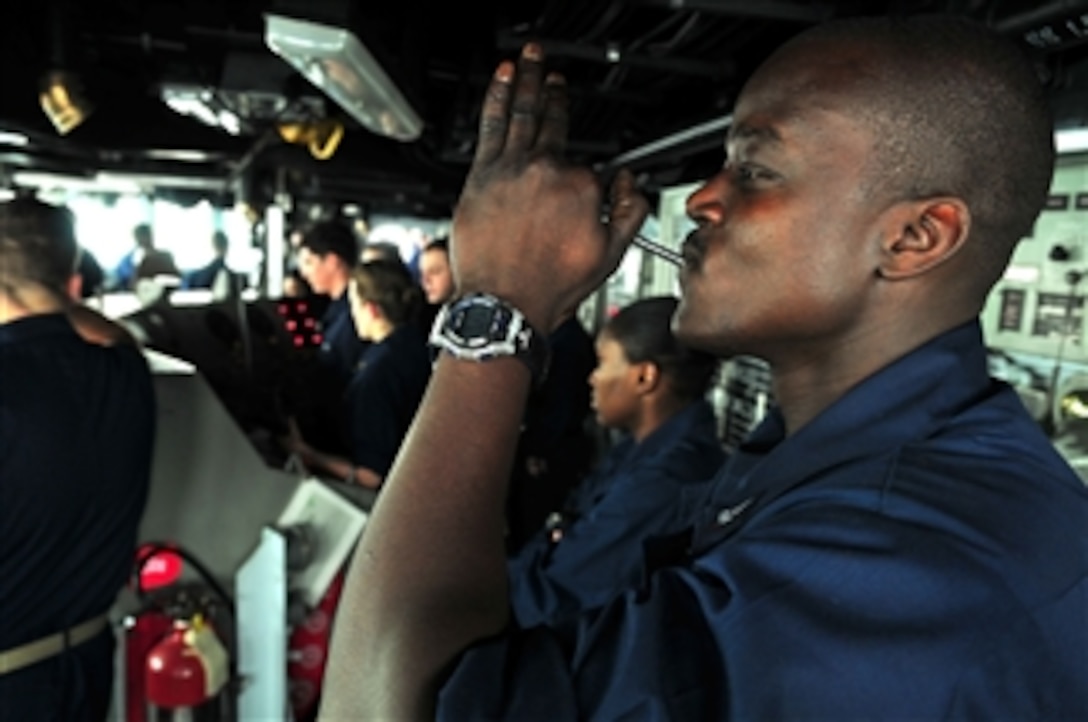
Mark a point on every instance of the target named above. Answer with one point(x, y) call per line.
point(1038, 307)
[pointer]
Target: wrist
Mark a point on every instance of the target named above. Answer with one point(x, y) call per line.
point(482, 327)
point(530, 305)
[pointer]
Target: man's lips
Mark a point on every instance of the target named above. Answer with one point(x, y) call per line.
point(692, 251)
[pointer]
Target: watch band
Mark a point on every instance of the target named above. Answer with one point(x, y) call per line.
point(481, 327)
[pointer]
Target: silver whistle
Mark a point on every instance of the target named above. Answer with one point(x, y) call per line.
point(656, 249)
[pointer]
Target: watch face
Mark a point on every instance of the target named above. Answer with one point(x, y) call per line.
point(481, 327)
point(482, 324)
point(478, 323)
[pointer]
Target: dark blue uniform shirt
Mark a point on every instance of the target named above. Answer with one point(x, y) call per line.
point(205, 276)
point(125, 270)
point(553, 434)
point(341, 347)
point(918, 551)
point(383, 396)
point(76, 431)
point(557, 410)
point(639, 490)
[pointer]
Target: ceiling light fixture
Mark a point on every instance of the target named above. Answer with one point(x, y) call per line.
point(63, 101)
point(335, 61)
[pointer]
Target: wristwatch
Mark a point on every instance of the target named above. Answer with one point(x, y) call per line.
point(481, 327)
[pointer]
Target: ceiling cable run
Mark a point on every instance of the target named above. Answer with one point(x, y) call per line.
point(613, 54)
point(762, 9)
point(1046, 13)
point(604, 24)
point(688, 24)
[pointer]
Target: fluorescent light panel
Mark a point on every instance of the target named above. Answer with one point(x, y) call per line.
point(335, 61)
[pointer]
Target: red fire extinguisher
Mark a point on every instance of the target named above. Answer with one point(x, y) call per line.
point(142, 633)
point(185, 673)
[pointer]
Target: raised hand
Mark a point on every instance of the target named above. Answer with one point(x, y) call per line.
point(429, 580)
point(528, 225)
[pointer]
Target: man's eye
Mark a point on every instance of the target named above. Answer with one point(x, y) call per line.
point(746, 173)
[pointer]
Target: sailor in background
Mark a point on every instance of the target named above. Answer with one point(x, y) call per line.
point(77, 426)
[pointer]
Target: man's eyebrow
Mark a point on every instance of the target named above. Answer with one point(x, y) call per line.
point(760, 134)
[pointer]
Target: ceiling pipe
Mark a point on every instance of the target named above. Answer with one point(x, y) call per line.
point(1029, 19)
point(766, 9)
point(57, 42)
point(692, 140)
point(615, 55)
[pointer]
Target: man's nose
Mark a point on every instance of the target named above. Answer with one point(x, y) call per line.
point(707, 204)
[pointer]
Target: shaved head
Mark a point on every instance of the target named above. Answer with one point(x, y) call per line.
point(37, 244)
point(956, 111)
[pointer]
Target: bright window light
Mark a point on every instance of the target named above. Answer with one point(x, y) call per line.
point(1071, 140)
point(184, 232)
point(241, 256)
point(1022, 274)
point(105, 229)
point(397, 234)
point(7, 137)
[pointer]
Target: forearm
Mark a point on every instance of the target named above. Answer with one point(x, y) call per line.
point(340, 468)
point(429, 576)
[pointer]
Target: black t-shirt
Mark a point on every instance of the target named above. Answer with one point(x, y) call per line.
point(77, 424)
point(76, 431)
point(383, 396)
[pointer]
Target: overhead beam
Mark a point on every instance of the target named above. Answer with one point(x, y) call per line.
point(615, 55)
point(694, 139)
point(460, 147)
point(1041, 15)
point(480, 81)
point(763, 9)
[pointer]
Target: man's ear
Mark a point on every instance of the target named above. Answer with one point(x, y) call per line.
point(74, 288)
point(921, 235)
point(649, 376)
